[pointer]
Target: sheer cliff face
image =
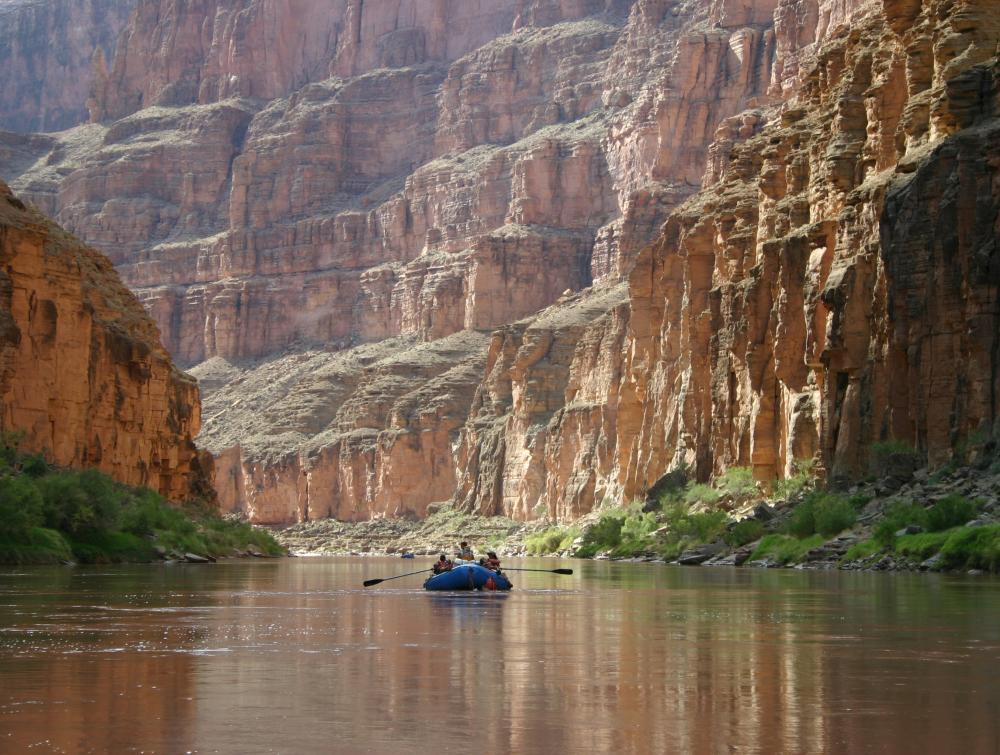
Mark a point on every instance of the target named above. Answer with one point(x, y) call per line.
point(533, 253)
point(82, 373)
point(48, 51)
point(838, 286)
point(835, 285)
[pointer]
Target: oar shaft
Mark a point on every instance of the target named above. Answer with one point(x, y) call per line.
point(545, 571)
point(373, 582)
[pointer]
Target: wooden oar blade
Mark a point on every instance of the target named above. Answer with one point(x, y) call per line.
point(370, 582)
point(562, 571)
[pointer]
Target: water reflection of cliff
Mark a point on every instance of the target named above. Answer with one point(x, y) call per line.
point(295, 658)
point(96, 662)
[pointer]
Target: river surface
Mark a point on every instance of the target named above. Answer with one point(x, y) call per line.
point(293, 656)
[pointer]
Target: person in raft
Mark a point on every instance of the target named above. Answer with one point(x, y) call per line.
point(465, 552)
point(442, 565)
point(492, 562)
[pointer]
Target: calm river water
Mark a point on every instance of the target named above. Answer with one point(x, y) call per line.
point(293, 656)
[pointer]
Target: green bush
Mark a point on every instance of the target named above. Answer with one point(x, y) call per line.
point(972, 548)
point(35, 545)
point(603, 535)
point(738, 482)
point(20, 505)
point(959, 547)
point(550, 541)
point(824, 513)
point(80, 502)
point(686, 530)
point(89, 516)
point(949, 512)
point(896, 517)
point(35, 466)
point(834, 515)
point(111, 547)
point(862, 550)
point(920, 546)
point(146, 513)
point(802, 480)
point(701, 493)
point(745, 531)
point(783, 549)
point(636, 533)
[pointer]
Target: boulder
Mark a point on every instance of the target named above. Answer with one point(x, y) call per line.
point(700, 555)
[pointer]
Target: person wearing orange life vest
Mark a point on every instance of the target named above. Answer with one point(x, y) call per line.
point(442, 565)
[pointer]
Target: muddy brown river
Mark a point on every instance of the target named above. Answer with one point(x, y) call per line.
point(294, 656)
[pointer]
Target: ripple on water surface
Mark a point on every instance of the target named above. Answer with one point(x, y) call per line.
point(617, 658)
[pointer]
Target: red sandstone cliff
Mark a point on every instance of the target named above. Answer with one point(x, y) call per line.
point(835, 284)
point(449, 217)
point(82, 373)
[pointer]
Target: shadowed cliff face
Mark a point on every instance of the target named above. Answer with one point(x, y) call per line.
point(838, 286)
point(48, 52)
point(82, 372)
point(530, 254)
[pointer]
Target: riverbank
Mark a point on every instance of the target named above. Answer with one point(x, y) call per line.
point(915, 520)
point(50, 515)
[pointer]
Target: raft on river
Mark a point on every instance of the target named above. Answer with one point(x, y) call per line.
point(468, 577)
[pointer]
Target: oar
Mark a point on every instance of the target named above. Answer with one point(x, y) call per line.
point(370, 582)
point(550, 571)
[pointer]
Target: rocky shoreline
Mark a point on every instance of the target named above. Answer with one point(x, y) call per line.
point(855, 548)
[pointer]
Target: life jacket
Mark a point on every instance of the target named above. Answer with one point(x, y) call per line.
point(442, 566)
point(493, 563)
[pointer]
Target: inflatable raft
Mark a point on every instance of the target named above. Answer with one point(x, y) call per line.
point(468, 577)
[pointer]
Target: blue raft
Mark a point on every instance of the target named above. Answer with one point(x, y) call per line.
point(468, 577)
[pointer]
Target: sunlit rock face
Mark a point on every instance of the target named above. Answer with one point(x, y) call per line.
point(83, 377)
point(527, 255)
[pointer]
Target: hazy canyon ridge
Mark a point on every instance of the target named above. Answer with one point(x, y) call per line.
point(523, 255)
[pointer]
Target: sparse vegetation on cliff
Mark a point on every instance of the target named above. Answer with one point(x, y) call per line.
point(52, 515)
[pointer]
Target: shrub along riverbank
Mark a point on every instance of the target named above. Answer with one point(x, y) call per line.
point(901, 517)
point(915, 519)
point(50, 515)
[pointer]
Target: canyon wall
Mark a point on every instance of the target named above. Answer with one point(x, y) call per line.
point(834, 285)
point(83, 376)
point(50, 51)
point(529, 255)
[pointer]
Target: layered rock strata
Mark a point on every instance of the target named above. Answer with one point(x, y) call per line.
point(83, 377)
point(393, 173)
point(835, 285)
point(480, 205)
point(352, 434)
point(50, 53)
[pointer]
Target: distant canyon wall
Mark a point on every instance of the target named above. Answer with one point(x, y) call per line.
point(528, 255)
point(49, 52)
